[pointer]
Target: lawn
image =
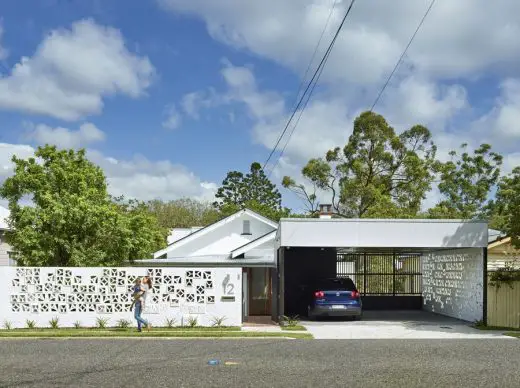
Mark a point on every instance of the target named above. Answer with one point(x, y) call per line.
point(497, 328)
point(294, 328)
point(513, 334)
point(182, 332)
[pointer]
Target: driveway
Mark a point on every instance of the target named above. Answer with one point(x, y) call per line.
point(259, 363)
point(397, 324)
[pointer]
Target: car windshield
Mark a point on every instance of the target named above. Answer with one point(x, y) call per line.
point(336, 284)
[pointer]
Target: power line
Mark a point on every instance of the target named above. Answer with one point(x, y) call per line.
point(402, 55)
point(314, 77)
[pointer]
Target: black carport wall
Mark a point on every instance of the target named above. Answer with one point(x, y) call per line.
point(453, 260)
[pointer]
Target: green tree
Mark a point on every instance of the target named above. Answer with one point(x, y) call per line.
point(504, 210)
point(72, 220)
point(466, 183)
point(253, 190)
point(377, 174)
point(184, 213)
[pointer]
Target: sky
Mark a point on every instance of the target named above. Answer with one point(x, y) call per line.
point(167, 96)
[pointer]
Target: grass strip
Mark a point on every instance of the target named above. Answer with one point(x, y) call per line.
point(496, 328)
point(294, 328)
point(127, 330)
point(77, 333)
point(515, 334)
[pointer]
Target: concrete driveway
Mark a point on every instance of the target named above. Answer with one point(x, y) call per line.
point(395, 325)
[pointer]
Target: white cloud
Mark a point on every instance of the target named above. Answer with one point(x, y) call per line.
point(173, 118)
point(73, 70)
point(193, 103)
point(4, 53)
point(61, 137)
point(138, 177)
point(476, 34)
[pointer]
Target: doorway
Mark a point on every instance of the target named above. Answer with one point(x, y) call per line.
point(259, 291)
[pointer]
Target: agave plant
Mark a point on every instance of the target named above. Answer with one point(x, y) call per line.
point(8, 325)
point(102, 323)
point(54, 323)
point(170, 322)
point(218, 321)
point(77, 325)
point(192, 322)
point(123, 324)
point(30, 324)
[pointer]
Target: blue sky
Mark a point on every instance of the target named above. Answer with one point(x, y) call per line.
point(169, 95)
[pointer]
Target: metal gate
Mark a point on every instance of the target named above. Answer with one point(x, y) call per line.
point(383, 274)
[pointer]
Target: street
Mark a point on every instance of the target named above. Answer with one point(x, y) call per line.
point(259, 363)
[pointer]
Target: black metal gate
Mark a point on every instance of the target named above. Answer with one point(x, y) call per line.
point(379, 276)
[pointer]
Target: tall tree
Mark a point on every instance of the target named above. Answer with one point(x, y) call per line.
point(377, 174)
point(72, 220)
point(466, 183)
point(183, 213)
point(504, 210)
point(253, 190)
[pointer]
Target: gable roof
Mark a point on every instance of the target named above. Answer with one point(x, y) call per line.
point(214, 226)
point(253, 244)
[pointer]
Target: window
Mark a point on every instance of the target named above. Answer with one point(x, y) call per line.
point(12, 258)
point(246, 227)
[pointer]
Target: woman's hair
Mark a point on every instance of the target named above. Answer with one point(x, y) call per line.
point(137, 280)
point(149, 281)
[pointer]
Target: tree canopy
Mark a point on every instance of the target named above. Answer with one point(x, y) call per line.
point(183, 213)
point(377, 174)
point(72, 220)
point(253, 190)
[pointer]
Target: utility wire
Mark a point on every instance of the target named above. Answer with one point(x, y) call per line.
point(402, 56)
point(309, 85)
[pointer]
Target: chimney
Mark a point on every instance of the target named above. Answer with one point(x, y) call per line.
point(325, 211)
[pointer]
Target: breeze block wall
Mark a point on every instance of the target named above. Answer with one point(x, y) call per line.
point(453, 283)
point(85, 294)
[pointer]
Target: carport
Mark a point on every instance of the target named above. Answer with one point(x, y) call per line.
point(434, 265)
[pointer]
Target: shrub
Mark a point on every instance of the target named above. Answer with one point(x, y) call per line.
point(30, 324)
point(123, 324)
point(192, 321)
point(217, 321)
point(8, 325)
point(54, 323)
point(101, 323)
point(290, 321)
point(170, 322)
point(77, 325)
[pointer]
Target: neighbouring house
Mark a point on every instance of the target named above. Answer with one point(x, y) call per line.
point(500, 251)
point(7, 257)
point(433, 265)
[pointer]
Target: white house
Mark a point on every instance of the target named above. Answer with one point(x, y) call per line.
point(244, 239)
point(6, 255)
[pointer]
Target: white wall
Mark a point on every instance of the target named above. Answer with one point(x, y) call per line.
point(453, 283)
point(84, 294)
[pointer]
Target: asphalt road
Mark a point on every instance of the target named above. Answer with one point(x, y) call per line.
point(259, 363)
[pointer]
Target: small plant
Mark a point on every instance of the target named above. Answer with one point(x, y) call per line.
point(54, 323)
point(8, 325)
point(218, 321)
point(170, 322)
point(123, 324)
point(30, 324)
point(77, 325)
point(290, 321)
point(101, 323)
point(192, 322)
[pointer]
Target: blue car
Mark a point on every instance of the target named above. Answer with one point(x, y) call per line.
point(335, 298)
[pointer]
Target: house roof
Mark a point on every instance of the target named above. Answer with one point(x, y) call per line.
point(214, 226)
point(4, 215)
point(210, 260)
point(494, 235)
point(253, 244)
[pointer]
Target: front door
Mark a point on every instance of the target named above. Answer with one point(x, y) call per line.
point(259, 291)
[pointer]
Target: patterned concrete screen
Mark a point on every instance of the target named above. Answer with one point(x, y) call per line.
point(85, 294)
point(453, 283)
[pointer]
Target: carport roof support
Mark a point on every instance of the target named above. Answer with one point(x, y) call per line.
point(381, 233)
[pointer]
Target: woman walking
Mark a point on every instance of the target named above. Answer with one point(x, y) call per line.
point(139, 297)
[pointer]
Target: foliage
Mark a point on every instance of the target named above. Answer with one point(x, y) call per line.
point(253, 190)
point(72, 220)
point(508, 274)
point(123, 324)
point(102, 323)
point(466, 182)
point(218, 321)
point(192, 322)
point(505, 209)
point(30, 324)
point(8, 325)
point(77, 325)
point(170, 322)
point(377, 174)
point(183, 213)
point(54, 323)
